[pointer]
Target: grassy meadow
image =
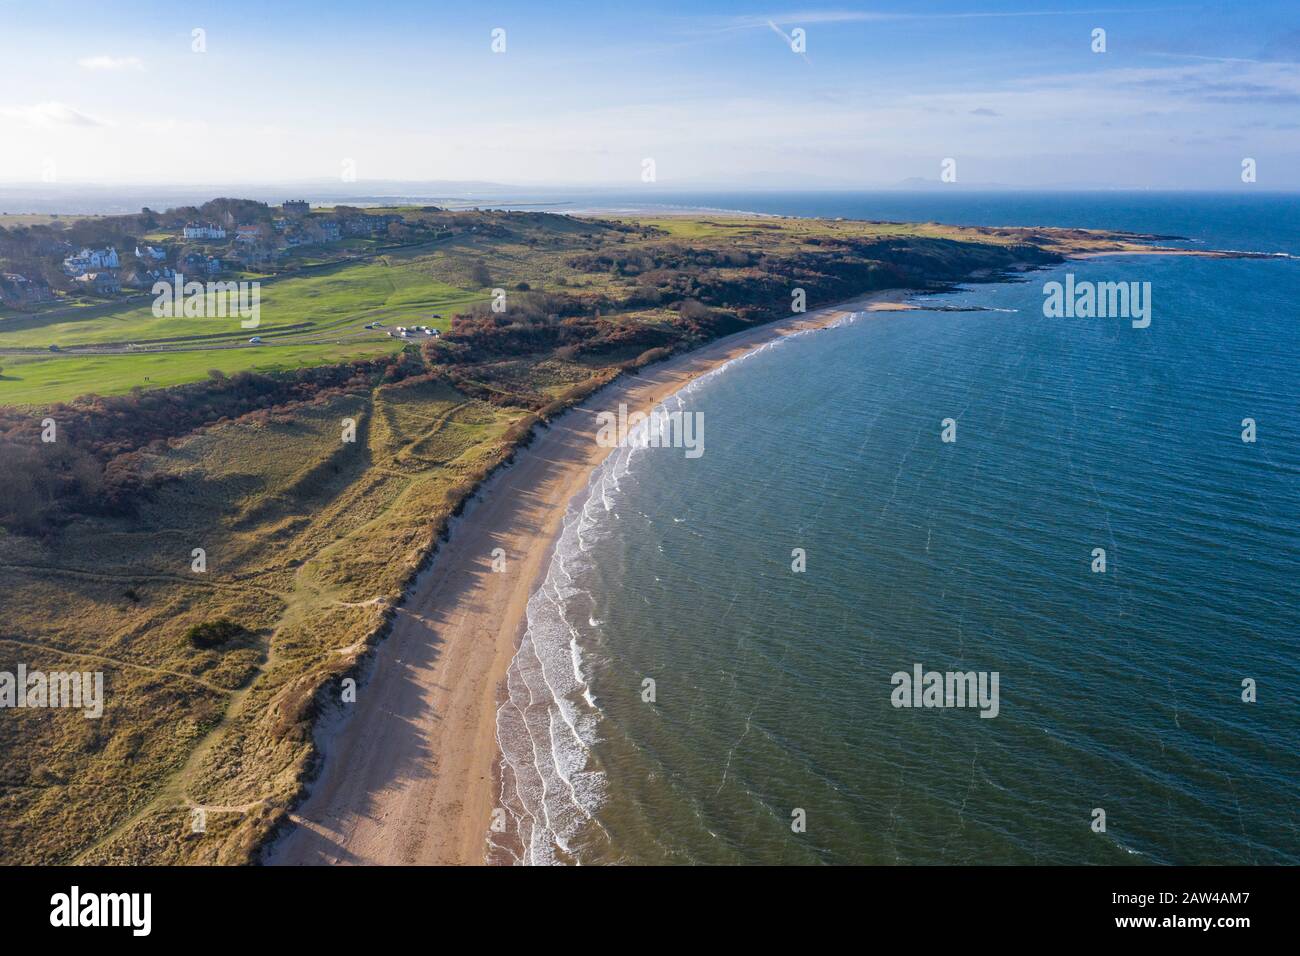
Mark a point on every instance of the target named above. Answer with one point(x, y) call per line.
point(316, 319)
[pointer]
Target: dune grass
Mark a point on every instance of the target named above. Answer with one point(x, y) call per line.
point(307, 538)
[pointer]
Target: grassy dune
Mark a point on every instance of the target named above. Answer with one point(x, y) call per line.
point(308, 539)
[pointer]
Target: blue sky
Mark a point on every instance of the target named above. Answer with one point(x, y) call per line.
point(712, 92)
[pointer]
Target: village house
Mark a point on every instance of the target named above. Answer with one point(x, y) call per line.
point(196, 262)
point(18, 291)
point(369, 225)
point(248, 233)
point(203, 230)
point(91, 259)
point(253, 255)
point(141, 278)
point(314, 231)
point(156, 255)
point(103, 283)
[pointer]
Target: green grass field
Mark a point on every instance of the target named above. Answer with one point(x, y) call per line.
point(10, 220)
point(40, 381)
point(305, 320)
point(775, 231)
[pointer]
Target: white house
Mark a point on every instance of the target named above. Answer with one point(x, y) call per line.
point(88, 260)
point(203, 230)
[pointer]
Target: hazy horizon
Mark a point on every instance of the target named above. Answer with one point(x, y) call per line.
point(704, 95)
point(900, 203)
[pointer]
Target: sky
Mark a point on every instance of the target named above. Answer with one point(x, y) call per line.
point(714, 94)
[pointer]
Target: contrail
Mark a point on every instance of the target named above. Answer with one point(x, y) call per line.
point(789, 40)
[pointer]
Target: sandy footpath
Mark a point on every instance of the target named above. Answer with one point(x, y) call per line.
point(409, 775)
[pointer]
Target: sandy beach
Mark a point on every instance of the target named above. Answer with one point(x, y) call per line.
point(409, 774)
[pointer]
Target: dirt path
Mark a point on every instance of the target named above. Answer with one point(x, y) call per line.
point(118, 662)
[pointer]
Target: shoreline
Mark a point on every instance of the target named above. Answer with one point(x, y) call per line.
point(411, 776)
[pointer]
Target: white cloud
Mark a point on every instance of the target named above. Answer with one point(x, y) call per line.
point(103, 62)
point(50, 115)
point(169, 126)
point(752, 21)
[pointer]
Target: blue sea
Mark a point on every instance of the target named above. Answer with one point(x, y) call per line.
point(703, 702)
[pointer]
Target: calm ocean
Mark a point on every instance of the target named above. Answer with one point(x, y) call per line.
point(1119, 691)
